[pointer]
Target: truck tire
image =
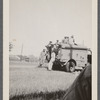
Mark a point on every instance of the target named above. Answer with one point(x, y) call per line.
point(70, 66)
point(67, 67)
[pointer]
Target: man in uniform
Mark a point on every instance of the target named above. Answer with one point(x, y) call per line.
point(72, 40)
point(53, 56)
point(42, 57)
point(66, 40)
point(49, 48)
point(57, 46)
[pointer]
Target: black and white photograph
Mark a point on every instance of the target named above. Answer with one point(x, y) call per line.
point(50, 49)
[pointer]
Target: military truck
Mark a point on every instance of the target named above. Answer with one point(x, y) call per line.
point(71, 58)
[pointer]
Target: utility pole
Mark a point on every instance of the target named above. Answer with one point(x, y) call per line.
point(21, 52)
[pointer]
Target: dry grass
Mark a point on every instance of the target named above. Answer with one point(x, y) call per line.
point(57, 95)
point(27, 80)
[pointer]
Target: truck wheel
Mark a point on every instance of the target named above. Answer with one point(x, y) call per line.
point(70, 66)
point(67, 67)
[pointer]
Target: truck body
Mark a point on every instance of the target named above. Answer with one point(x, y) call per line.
point(71, 57)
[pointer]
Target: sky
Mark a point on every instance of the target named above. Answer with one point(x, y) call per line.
point(33, 23)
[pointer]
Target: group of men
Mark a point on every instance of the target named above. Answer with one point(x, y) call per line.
point(81, 87)
point(68, 40)
point(50, 53)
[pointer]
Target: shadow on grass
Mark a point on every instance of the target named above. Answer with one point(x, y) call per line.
point(40, 96)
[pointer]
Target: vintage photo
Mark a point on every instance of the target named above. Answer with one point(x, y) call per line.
point(50, 49)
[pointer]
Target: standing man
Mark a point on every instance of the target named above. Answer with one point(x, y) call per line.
point(57, 46)
point(49, 48)
point(42, 57)
point(53, 56)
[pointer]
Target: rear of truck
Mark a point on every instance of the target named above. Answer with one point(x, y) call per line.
point(72, 58)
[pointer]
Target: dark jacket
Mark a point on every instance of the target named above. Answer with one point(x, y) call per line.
point(81, 88)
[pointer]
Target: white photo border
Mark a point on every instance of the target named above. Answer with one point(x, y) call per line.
point(6, 50)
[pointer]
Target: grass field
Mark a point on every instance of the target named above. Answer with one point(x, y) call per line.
point(28, 82)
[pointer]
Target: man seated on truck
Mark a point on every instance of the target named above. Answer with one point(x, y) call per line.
point(72, 40)
point(66, 40)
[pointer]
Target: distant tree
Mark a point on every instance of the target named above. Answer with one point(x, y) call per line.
point(10, 46)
